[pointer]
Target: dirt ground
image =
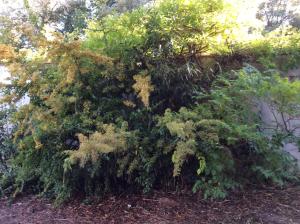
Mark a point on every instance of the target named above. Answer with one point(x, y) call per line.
point(269, 205)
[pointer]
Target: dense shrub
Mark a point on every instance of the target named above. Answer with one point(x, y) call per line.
point(7, 149)
point(224, 132)
point(146, 100)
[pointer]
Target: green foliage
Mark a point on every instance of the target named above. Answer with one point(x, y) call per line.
point(225, 127)
point(277, 50)
point(172, 27)
point(148, 99)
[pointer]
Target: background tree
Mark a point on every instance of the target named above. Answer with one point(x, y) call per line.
point(296, 21)
point(66, 17)
point(102, 8)
point(276, 13)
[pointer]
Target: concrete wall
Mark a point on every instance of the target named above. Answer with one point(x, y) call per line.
point(272, 118)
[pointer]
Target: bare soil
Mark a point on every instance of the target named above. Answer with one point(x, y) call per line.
point(260, 206)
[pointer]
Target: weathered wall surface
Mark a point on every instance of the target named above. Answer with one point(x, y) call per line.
point(272, 118)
